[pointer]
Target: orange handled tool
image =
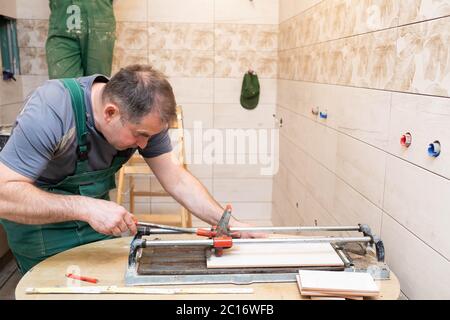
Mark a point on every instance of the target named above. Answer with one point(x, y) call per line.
point(81, 278)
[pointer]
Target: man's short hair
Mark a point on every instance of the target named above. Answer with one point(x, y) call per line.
point(139, 90)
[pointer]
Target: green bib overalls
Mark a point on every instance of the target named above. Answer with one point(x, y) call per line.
point(81, 38)
point(31, 244)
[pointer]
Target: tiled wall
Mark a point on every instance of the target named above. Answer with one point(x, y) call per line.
point(379, 69)
point(204, 47)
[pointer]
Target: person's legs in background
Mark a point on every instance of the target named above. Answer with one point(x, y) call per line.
point(63, 57)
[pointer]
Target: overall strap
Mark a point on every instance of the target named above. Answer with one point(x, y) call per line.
point(79, 111)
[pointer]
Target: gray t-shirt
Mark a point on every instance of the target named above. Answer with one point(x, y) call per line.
point(43, 143)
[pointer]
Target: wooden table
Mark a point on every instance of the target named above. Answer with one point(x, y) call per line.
point(107, 261)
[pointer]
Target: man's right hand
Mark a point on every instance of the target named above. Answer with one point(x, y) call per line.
point(107, 217)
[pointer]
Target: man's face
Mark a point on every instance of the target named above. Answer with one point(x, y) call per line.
point(124, 134)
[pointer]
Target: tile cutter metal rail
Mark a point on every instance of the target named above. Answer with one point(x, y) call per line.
point(220, 238)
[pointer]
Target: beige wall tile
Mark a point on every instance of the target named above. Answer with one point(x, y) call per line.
point(237, 63)
point(423, 273)
point(374, 60)
point(10, 112)
point(8, 9)
point(189, 11)
point(419, 200)
point(130, 10)
point(419, 10)
point(33, 61)
point(31, 83)
point(180, 36)
point(131, 35)
point(11, 91)
point(241, 37)
point(422, 64)
point(37, 9)
point(246, 12)
point(32, 33)
point(290, 8)
point(183, 63)
point(372, 15)
point(123, 58)
point(427, 119)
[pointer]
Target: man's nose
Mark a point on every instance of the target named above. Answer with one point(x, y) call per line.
point(142, 142)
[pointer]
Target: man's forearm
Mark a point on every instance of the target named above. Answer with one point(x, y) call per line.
point(22, 202)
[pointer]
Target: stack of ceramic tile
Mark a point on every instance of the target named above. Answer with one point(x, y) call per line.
point(336, 285)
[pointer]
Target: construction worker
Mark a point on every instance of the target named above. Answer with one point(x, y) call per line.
point(81, 38)
point(59, 164)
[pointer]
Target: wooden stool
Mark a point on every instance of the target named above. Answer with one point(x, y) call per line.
point(137, 166)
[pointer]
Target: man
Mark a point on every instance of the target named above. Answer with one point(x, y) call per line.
point(81, 38)
point(72, 136)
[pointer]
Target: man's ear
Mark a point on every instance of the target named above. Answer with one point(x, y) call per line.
point(110, 112)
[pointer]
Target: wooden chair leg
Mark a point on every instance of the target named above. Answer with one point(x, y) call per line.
point(131, 194)
point(120, 186)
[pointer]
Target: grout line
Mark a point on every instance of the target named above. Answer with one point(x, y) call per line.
point(416, 236)
point(336, 218)
point(366, 88)
point(397, 26)
point(367, 143)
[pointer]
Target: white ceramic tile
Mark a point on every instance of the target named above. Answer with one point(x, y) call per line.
point(228, 90)
point(293, 158)
point(243, 190)
point(362, 167)
point(286, 214)
point(423, 273)
point(427, 119)
point(201, 170)
point(320, 183)
point(252, 211)
point(246, 12)
point(192, 90)
point(420, 201)
point(316, 214)
point(197, 112)
point(236, 117)
point(191, 11)
point(361, 113)
point(239, 171)
point(350, 208)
